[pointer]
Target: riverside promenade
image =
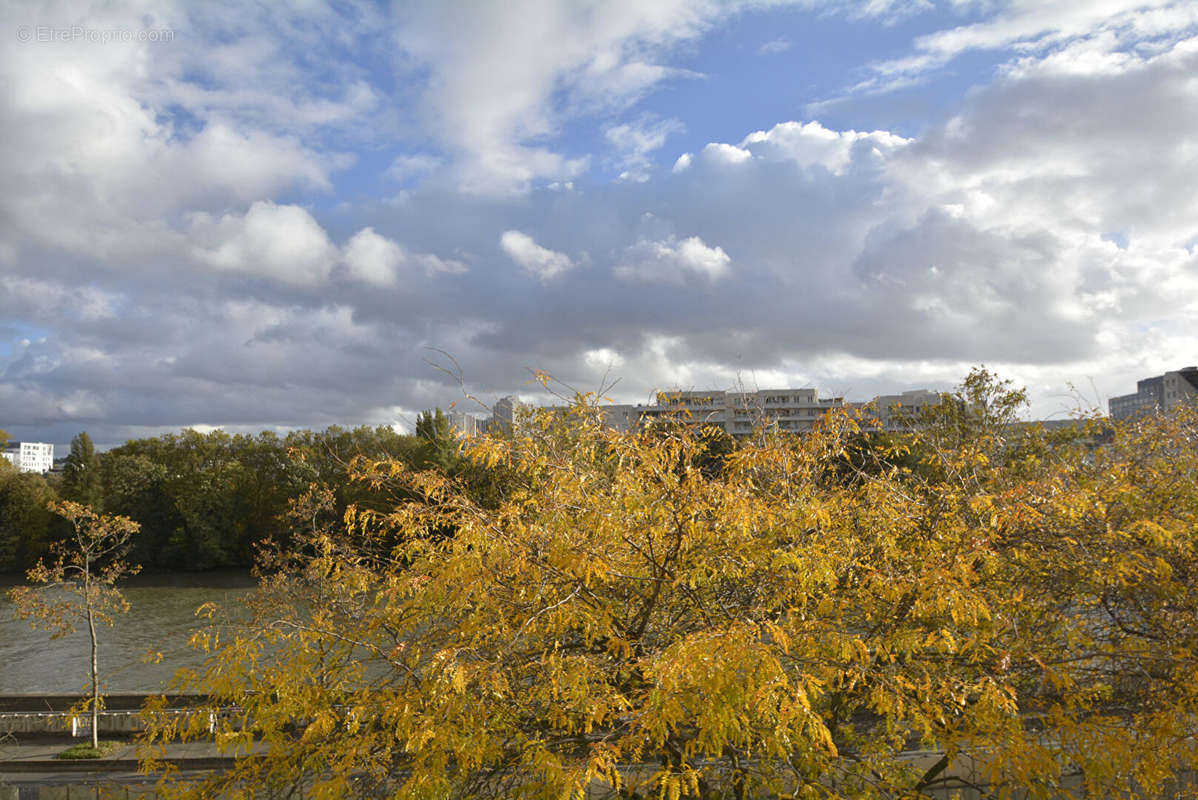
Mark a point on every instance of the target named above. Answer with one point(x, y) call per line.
point(34, 729)
point(31, 770)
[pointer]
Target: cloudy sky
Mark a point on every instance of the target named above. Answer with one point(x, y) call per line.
point(248, 216)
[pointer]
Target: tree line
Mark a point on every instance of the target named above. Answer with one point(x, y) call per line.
point(205, 500)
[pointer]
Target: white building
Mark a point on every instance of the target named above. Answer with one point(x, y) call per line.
point(31, 456)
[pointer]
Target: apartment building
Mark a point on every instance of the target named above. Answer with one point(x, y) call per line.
point(622, 417)
point(505, 415)
point(466, 424)
point(30, 456)
point(737, 413)
point(899, 412)
point(506, 412)
point(1158, 393)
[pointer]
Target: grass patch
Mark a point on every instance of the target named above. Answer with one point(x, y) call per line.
point(85, 749)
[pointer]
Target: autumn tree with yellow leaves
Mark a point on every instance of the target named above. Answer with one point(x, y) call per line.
point(79, 586)
point(623, 620)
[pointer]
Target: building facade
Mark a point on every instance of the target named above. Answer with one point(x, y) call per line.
point(506, 412)
point(622, 417)
point(466, 424)
point(1158, 393)
point(738, 413)
point(31, 456)
point(899, 412)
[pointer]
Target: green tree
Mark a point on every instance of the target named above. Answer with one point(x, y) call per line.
point(269, 480)
point(81, 480)
point(25, 521)
point(80, 585)
point(206, 496)
point(439, 444)
point(137, 487)
point(200, 477)
point(209, 499)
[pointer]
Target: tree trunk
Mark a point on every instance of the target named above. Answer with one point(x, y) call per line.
point(91, 630)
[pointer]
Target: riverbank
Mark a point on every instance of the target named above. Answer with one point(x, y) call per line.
point(30, 770)
point(224, 578)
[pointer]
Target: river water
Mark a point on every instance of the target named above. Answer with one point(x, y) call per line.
point(161, 618)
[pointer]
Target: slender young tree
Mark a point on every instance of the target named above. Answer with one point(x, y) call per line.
point(80, 585)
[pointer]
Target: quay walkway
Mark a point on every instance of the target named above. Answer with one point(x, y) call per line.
point(30, 770)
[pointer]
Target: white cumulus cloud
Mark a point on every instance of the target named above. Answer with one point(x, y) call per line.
point(539, 261)
point(279, 242)
point(378, 261)
point(722, 153)
point(810, 144)
point(373, 258)
point(672, 261)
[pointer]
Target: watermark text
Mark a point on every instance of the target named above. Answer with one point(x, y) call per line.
point(82, 33)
